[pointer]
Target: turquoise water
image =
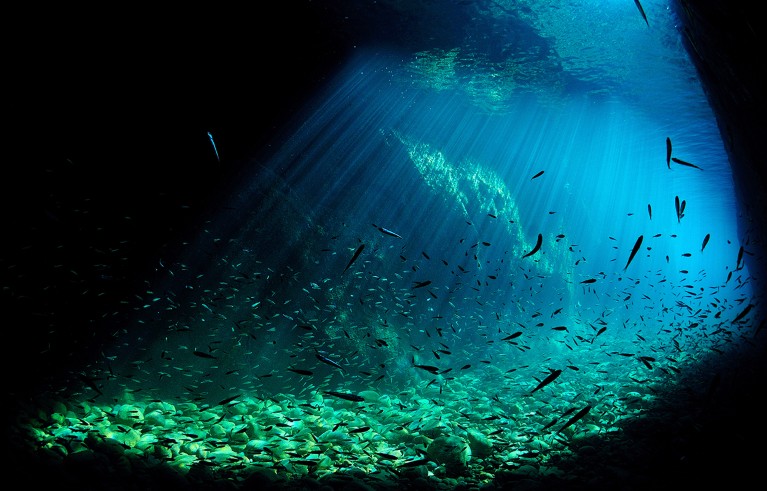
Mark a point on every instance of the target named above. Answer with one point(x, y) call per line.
point(447, 165)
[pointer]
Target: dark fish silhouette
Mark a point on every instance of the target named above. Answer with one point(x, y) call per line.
point(682, 162)
point(649, 210)
point(228, 400)
point(580, 413)
point(354, 257)
point(300, 371)
point(637, 245)
point(344, 395)
point(553, 375)
point(603, 329)
point(91, 382)
point(550, 424)
point(668, 143)
point(537, 175)
point(743, 313)
point(512, 336)
point(428, 368)
point(202, 354)
point(421, 284)
point(641, 11)
point(414, 463)
point(536, 248)
point(678, 209)
point(705, 241)
point(326, 360)
point(740, 258)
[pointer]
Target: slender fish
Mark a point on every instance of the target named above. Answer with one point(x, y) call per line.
point(637, 245)
point(682, 162)
point(668, 143)
point(580, 413)
point(553, 375)
point(536, 248)
point(345, 396)
point(641, 11)
point(354, 257)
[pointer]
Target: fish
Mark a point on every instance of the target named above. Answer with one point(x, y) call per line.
point(649, 210)
point(678, 211)
point(421, 284)
point(413, 463)
point(641, 11)
point(579, 414)
point(428, 368)
point(537, 175)
point(386, 231)
point(705, 241)
point(202, 354)
point(361, 429)
point(536, 248)
point(682, 162)
point(91, 383)
point(300, 371)
point(740, 258)
point(215, 150)
point(590, 280)
point(512, 336)
point(668, 146)
point(228, 400)
point(550, 424)
point(354, 257)
point(637, 245)
point(553, 375)
point(743, 313)
point(326, 360)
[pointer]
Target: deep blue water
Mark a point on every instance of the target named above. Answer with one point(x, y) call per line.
point(389, 226)
point(442, 148)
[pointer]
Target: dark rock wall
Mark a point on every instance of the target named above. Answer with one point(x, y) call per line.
point(725, 43)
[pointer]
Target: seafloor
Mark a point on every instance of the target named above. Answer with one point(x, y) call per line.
point(705, 430)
